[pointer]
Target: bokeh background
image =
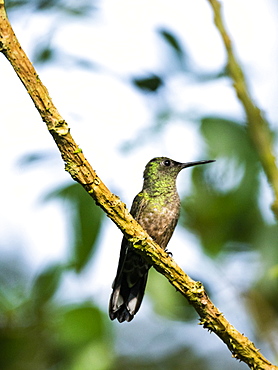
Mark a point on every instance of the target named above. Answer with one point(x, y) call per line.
point(135, 80)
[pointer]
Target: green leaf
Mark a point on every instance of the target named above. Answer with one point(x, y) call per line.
point(44, 53)
point(83, 8)
point(79, 325)
point(46, 284)
point(149, 83)
point(172, 40)
point(166, 300)
point(227, 138)
point(84, 222)
point(223, 216)
point(220, 218)
point(96, 355)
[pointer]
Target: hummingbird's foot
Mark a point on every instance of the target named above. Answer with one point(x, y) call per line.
point(170, 254)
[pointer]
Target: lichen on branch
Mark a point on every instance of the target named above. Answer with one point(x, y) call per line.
point(81, 171)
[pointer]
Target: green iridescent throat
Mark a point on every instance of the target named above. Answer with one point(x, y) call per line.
point(157, 182)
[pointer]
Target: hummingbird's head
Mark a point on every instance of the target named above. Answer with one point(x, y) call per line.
point(163, 169)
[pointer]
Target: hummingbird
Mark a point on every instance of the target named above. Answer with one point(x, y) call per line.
point(156, 208)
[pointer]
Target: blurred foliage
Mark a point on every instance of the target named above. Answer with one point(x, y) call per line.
point(223, 209)
point(85, 221)
point(44, 52)
point(39, 332)
point(183, 359)
point(64, 7)
point(149, 83)
point(46, 284)
point(225, 214)
point(209, 207)
point(62, 11)
point(175, 46)
point(167, 302)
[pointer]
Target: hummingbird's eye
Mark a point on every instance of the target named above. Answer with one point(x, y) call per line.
point(167, 163)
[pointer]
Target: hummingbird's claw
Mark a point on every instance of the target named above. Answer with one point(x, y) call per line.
point(170, 254)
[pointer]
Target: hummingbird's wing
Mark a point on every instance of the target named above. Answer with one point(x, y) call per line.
point(131, 278)
point(139, 204)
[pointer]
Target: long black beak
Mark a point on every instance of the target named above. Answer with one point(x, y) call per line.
point(190, 164)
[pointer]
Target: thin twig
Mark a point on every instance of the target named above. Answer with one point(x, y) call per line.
point(258, 127)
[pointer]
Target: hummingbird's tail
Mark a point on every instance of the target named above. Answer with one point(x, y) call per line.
point(128, 287)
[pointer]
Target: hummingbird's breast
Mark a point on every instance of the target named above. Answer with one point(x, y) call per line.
point(159, 218)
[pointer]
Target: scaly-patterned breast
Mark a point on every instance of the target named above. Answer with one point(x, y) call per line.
point(160, 221)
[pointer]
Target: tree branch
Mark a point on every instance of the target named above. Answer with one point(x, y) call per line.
point(80, 170)
point(258, 127)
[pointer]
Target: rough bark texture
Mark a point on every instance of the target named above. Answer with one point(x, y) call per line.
point(80, 170)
